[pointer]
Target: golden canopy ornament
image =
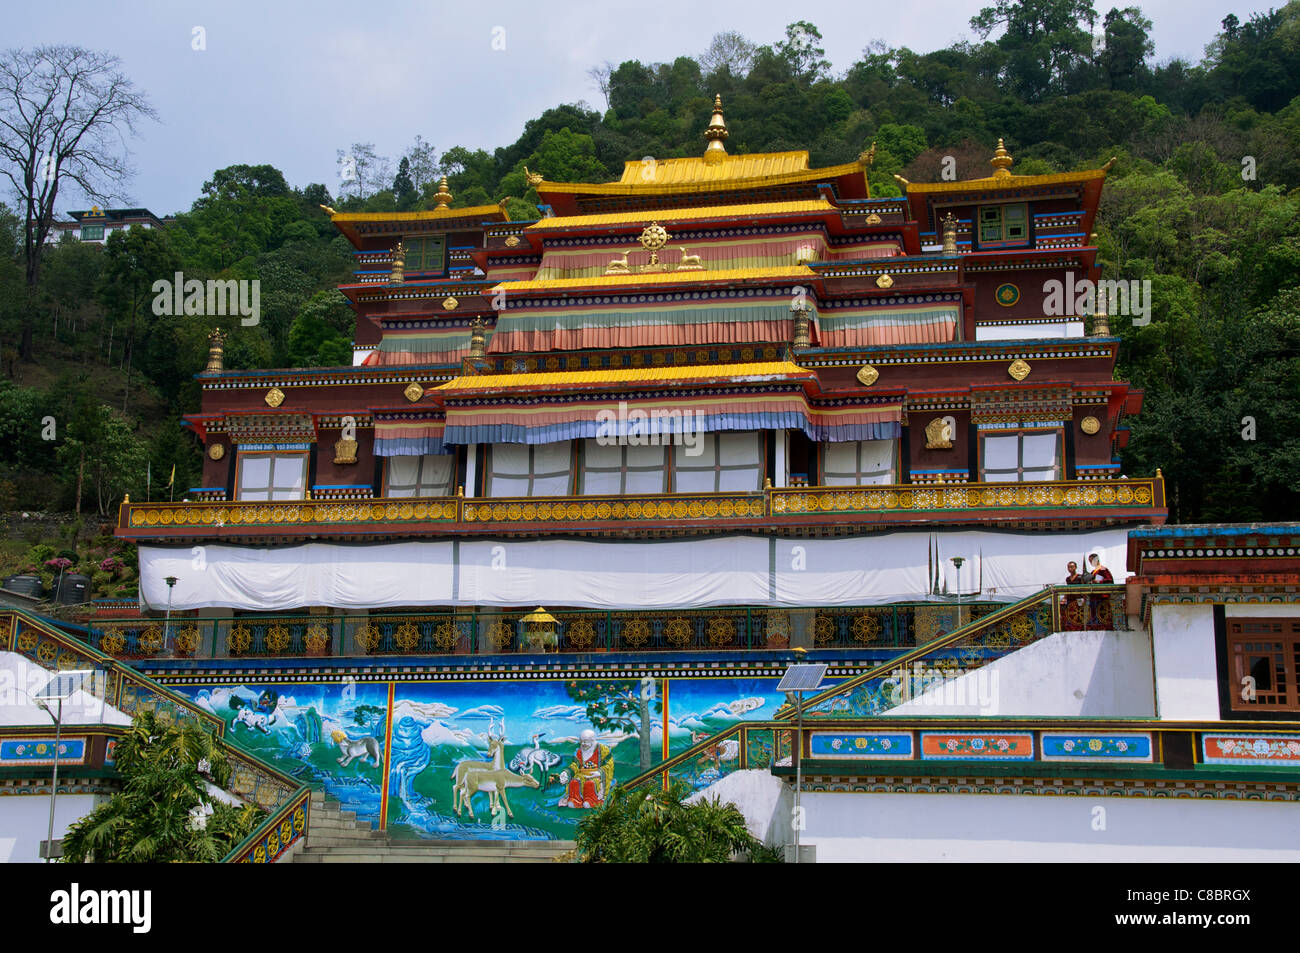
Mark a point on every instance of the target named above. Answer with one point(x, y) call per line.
point(442, 196)
point(216, 352)
point(716, 134)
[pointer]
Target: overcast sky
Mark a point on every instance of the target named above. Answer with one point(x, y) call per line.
point(289, 83)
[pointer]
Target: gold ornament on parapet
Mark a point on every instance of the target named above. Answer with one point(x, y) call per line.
point(449, 303)
point(413, 392)
point(618, 266)
point(274, 397)
point(868, 375)
point(885, 281)
point(873, 219)
point(512, 241)
point(689, 262)
point(534, 179)
point(1018, 369)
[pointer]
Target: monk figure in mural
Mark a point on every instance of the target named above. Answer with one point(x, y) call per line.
point(589, 776)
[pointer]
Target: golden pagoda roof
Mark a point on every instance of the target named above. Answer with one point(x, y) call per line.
point(685, 214)
point(430, 215)
point(760, 170)
point(1004, 178)
point(785, 272)
point(629, 375)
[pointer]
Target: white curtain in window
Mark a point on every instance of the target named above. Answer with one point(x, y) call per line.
point(859, 463)
point(415, 476)
point(267, 476)
point(1039, 456)
point(516, 469)
point(614, 468)
point(719, 462)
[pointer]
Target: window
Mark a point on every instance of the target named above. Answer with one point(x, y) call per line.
point(424, 254)
point(859, 462)
point(515, 469)
point(267, 476)
point(1004, 225)
point(92, 233)
point(429, 475)
point(1263, 658)
point(1021, 456)
point(614, 468)
point(719, 463)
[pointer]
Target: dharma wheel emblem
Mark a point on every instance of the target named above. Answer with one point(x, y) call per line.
point(653, 237)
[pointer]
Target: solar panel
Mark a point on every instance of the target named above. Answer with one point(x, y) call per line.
point(802, 678)
point(64, 684)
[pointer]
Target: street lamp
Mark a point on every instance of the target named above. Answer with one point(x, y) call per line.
point(60, 686)
point(167, 621)
point(799, 678)
point(957, 561)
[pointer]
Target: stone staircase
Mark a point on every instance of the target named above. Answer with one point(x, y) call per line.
point(335, 836)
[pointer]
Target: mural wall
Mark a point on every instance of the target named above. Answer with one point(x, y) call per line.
point(484, 759)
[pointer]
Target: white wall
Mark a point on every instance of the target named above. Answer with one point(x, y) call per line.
point(1187, 686)
point(1093, 674)
point(989, 827)
point(24, 823)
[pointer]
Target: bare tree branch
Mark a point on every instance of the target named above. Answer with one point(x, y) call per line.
point(65, 115)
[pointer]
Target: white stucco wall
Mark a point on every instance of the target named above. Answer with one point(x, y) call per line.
point(765, 801)
point(985, 827)
point(1093, 674)
point(25, 818)
point(1187, 687)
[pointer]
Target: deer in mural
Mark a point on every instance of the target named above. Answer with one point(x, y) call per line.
point(490, 776)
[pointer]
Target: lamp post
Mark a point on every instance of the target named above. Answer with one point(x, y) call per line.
point(800, 677)
point(957, 561)
point(167, 621)
point(59, 687)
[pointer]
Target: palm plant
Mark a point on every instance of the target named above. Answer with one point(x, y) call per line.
point(164, 812)
point(648, 826)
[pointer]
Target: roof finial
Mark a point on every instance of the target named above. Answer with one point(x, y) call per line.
point(442, 195)
point(1001, 161)
point(716, 134)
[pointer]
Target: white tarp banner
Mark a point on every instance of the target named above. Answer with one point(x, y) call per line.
point(623, 574)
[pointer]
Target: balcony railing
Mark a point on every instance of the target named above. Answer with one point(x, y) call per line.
point(898, 504)
point(497, 631)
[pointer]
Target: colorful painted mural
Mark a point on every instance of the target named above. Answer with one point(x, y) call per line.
point(487, 759)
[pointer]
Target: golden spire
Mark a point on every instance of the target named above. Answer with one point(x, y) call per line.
point(1001, 161)
point(716, 134)
point(442, 195)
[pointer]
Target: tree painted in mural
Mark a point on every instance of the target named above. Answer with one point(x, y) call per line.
point(620, 706)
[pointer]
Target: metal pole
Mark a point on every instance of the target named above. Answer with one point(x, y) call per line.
point(797, 752)
point(54, 786)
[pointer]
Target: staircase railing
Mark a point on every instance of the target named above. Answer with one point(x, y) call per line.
point(760, 744)
point(252, 780)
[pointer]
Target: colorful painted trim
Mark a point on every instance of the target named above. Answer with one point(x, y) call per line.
point(829, 745)
point(38, 751)
point(410, 434)
point(1281, 750)
point(1111, 748)
point(421, 343)
point(945, 746)
point(537, 420)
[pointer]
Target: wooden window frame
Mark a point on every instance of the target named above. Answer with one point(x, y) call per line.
point(893, 468)
point(622, 470)
point(451, 485)
point(718, 467)
point(1004, 240)
point(1259, 638)
point(302, 455)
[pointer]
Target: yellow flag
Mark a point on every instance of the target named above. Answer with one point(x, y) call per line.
point(172, 479)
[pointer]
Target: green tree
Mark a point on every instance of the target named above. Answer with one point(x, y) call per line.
point(621, 706)
point(652, 826)
point(321, 335)
point(160, 815)
point(1042, 39)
